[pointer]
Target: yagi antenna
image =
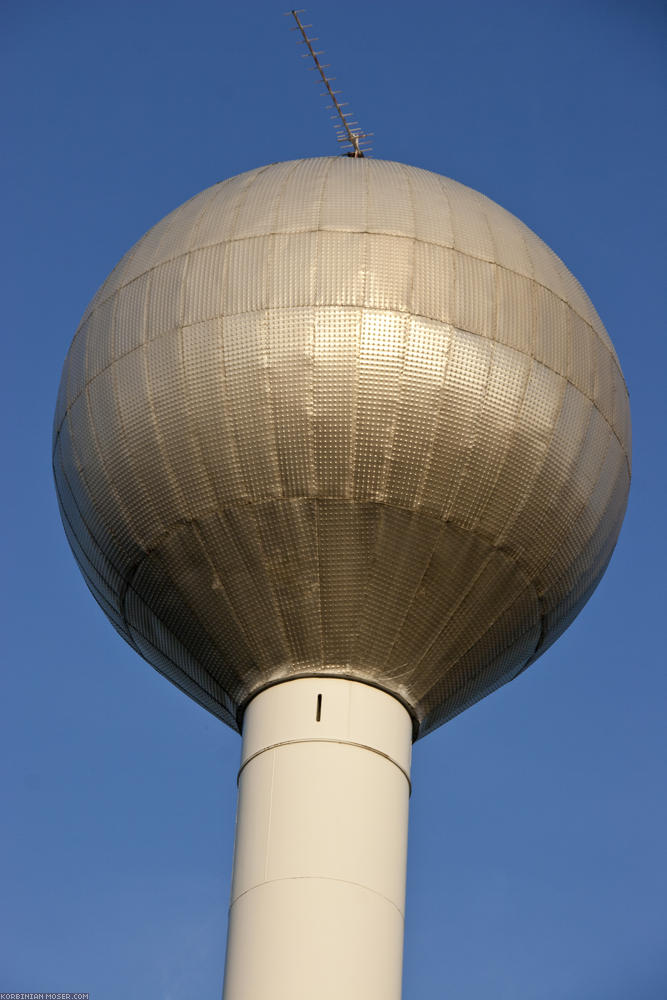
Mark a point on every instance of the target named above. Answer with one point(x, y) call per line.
point(347, 132)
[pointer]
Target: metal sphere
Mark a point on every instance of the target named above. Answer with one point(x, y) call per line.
point(342, 417)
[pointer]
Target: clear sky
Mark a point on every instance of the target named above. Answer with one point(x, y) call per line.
point(539, 822)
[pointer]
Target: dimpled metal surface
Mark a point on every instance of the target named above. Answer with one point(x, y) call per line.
point(344, 417)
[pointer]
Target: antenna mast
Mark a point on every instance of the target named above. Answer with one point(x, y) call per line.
point(348, 132)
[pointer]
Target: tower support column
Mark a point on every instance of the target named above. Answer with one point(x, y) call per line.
point(318, 890)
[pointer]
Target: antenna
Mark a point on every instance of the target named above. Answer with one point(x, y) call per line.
point(348, 132)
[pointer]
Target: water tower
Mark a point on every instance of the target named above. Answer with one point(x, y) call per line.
point(340, 448)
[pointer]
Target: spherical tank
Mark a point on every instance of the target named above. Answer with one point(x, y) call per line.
point(344, 417)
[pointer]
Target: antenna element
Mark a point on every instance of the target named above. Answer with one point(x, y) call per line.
point(348, 132)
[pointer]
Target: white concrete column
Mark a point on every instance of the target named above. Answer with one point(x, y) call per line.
point(318, 891)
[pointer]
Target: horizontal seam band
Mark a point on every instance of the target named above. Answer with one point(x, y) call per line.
point(321, 878)
point(348, 743)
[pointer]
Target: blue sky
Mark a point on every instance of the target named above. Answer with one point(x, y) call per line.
point(539, 821)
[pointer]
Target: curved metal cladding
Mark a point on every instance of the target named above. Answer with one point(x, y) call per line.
point(345, 417)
